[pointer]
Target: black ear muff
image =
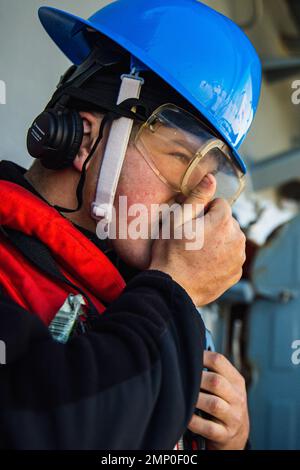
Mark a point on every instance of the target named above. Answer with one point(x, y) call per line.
point(55, 138)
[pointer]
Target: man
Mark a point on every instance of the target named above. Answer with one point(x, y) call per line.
point(154, 119)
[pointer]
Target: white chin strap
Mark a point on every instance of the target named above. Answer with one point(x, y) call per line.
point(114, 154)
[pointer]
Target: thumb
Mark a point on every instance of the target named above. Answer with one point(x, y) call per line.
point(198, 201)
point(205, 191)
point(202, 195)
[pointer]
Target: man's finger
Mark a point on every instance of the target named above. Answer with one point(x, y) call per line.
point(218, 363)
point(219, 210)
point(208, 429)
point(214, 406)
point(198, 201)
point(217, 385)
point(204, 192)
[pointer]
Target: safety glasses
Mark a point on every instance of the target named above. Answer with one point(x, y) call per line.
point(182, 150)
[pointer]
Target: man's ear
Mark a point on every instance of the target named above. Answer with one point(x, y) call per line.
point(91, 124)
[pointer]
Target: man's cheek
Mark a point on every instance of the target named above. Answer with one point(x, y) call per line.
point(136, 253)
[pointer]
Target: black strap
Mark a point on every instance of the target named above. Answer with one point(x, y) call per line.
point(120, 110)
point(100, 58)
point(40, 256)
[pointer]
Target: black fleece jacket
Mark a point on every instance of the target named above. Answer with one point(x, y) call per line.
point(131, 383)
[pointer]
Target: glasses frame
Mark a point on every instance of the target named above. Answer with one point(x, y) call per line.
point(200, 154)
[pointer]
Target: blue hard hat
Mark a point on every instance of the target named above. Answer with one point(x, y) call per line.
point(200, 53)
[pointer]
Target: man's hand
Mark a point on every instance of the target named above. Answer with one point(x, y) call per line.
point(223, 396)
point(208, 272)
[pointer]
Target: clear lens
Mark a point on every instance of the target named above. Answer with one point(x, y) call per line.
point(171, 142)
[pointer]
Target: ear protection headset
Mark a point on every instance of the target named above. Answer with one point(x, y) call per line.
point(55, 137)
